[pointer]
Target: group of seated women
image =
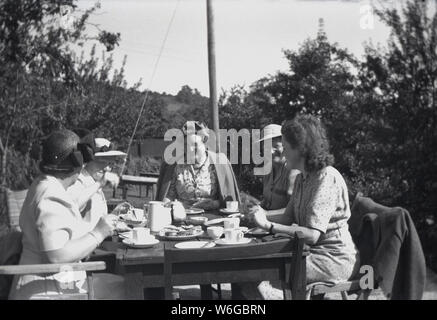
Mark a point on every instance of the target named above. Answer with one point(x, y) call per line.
point(65, 217)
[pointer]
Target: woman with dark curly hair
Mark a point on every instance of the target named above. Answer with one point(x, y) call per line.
point(319, 205)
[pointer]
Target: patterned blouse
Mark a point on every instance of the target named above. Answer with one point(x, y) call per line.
point(320, 201)
point(191, 183)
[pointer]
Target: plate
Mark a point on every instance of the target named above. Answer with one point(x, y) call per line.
point(132, 244)
point(226, 211)
point(214, 221)
point(257, 232)
point(222, 242)
point(181, 238)
point(194, 211)
point(236, 215)
point(197, 220)
point(195, 244)
point(126, 235)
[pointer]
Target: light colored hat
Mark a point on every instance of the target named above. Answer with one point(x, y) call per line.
point(271, 131)
point(104, 145)
point(196, 127)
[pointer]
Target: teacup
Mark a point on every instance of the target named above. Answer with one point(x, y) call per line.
point(232, 206)
point(233, 235)
point(231, 223)
point(141, 234)
point(214, 232)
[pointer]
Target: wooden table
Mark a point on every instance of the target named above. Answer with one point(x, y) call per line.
point(144, 268)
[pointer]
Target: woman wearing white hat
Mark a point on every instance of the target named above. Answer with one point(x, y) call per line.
point(278, 183)
point(88, 189)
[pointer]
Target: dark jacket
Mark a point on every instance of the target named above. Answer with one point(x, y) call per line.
point(387, 239)
point(228, 187)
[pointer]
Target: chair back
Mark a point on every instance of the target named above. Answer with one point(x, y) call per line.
point(15, 200)
point(292, 249)
point(10, 252)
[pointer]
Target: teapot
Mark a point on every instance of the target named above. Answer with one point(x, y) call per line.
point(178, 211)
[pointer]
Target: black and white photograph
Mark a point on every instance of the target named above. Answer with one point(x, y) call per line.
point(229, 151)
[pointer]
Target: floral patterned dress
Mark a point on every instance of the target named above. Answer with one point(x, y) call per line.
point(320, 201)
point(192, 183)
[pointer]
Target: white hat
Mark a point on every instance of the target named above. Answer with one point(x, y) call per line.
point(102, 143)
point(271, 131)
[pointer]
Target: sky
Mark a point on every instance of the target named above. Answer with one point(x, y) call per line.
point(250, 36)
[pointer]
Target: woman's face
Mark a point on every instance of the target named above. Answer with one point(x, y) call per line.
point(293, 156)
point(277, 149)
point(196, 147)
point(96, 168)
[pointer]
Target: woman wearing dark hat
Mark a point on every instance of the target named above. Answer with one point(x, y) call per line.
point(53, 229)
point(207, 183)
point(87, 190)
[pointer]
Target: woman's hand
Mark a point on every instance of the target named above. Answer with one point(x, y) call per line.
point(106, 226)
point(257, 215)
point(109, 178)
point(207, 204)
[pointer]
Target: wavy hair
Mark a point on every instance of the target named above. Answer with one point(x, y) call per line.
point(307, 134)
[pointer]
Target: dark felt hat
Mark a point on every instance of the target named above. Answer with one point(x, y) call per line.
point(60, 152)
point(87, 144)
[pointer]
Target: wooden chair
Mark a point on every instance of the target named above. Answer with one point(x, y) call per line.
point(10, 251)
point(55, 268)
point(282, 259)
point(15, 200)
point(345, 288)
point(126, 180)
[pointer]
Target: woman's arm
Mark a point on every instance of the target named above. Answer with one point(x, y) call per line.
point(311, 236)
point(274, 214)
point(77, 249)
point(281, 224)
point(86, 194)
point(73, 250)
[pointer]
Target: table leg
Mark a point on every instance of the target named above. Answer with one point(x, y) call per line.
point(155, 293)
point(206, 291)
point(236, 292)
point(133, 283)
point(124, 192)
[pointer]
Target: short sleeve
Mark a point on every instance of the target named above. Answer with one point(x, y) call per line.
point(323, 203)
point(54, 225)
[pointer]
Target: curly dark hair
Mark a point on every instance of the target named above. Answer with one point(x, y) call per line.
point(307, 134)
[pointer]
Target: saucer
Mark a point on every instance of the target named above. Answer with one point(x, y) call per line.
point(129, 242)
point(223, 242)
point(226, 211)
point(194, 211)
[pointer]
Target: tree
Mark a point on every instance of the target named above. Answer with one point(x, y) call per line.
point(398, 86)
point(37, 66)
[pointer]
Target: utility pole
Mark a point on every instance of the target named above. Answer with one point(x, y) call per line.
point(214, 114)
